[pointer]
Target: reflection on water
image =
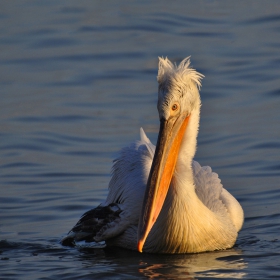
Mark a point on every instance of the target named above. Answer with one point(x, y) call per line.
point(225, 264)
point(220, 264)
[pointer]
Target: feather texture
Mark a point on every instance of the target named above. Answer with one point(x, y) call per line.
point(116, 220)
point(197, 214)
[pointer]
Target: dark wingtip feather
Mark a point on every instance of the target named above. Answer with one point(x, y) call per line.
point(68, 241)
point(91, 223)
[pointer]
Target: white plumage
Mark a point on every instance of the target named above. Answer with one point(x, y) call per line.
point(194, 213)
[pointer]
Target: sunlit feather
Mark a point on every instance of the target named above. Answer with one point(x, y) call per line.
point(197, 214)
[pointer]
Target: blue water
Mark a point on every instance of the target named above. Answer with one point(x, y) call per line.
point(78, 80)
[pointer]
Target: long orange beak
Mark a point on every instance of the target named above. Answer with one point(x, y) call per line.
point(168, 145)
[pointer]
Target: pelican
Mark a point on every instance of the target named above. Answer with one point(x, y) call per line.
point(160, 200)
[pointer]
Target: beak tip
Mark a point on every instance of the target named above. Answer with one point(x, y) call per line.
point(140, 246)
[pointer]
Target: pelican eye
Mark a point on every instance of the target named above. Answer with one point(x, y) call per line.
point(174, 107)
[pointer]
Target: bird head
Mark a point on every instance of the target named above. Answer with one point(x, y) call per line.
point(177, 88)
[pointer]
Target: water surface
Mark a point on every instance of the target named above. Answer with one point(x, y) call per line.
point(78, 80)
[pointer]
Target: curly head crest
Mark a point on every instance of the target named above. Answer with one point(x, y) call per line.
point(168, 71)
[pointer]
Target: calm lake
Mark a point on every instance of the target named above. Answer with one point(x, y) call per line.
point(78, 80)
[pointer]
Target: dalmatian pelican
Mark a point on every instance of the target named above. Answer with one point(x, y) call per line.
point(160, 200)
